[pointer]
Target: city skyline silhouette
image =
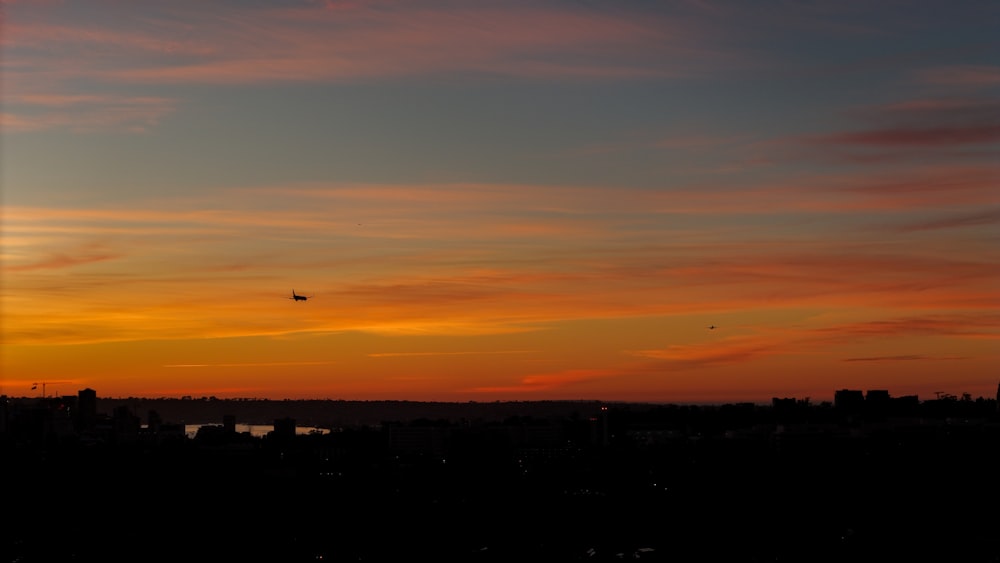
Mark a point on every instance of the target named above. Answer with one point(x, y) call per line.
point(366, 280)
point(866, 476)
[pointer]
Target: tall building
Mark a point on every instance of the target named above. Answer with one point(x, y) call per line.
point(284, 428)
point(86, 413)
point(125, 425)
point(4, 414)
point(851, 400)
point(599, 433)
point(877, 400)
point(229, 423)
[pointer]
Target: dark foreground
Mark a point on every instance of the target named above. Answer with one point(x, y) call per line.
point(584, 489)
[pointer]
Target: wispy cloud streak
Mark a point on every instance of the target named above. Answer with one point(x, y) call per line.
point(463, 353)
point(466, 259)
point(959, 125)
point(771, 342)
point(270, 44)
point(905, 358)
point(248, 364)
point(83, 113)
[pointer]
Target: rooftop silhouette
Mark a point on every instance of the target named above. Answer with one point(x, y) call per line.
point(868, 475)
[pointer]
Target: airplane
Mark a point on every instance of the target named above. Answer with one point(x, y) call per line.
point(298, 297)
point(712, 327)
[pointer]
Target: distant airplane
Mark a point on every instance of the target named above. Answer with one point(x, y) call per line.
point(298, 297)
point(712, 327)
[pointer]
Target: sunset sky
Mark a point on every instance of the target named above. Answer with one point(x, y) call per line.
point(500, 200)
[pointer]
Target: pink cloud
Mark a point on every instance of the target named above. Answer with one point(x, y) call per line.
point(973, 219)
point(695, 141)
point(923, 187)
point(572, 208)
point(15, 123)
point(362, 41)
point(910, 131)
point(84, 112)
point(82, 40)
point(924, 137)
point(202, 43)
point(961, 75)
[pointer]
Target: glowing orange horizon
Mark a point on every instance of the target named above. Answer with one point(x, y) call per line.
point(498, 202)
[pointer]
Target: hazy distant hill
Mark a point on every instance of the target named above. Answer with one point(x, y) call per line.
point(336, 413)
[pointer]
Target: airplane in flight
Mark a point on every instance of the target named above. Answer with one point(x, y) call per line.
point(712, 327)
point(297, 297)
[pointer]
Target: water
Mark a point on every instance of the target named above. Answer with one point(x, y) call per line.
point(255, 430)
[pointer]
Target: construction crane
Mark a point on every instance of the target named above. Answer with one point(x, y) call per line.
point(43, 384)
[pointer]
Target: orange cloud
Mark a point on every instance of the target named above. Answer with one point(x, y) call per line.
point(248, 364)
point(769, 341)
point(980, 325)
point(727, 351)
point(463, 353)
point(462, 259)
point(60, 261)
point(924, 186)
point(545, 382)
point(907, 358)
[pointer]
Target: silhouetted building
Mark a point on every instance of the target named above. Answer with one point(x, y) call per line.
point(284, 428)
point(154, 421)
point(125, 425)
point(907, 405)
point(229, 423)
point(61, 412)
point(849, 400)
point(211, 435)
point(171, 432)
point(4, 414)
point(542, 433)
point(877, 401)
point(599, 432)
point(425, 438)
point(877, 396)
point(158, 432)
point(790, 410)
point(86, 410)
point(783, 404)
